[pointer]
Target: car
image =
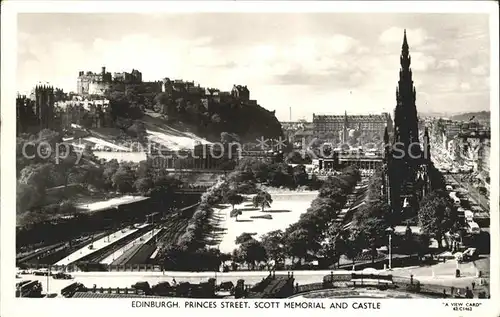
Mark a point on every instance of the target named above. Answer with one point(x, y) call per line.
point(42, 272)
point(62, 276)
point(473, 228)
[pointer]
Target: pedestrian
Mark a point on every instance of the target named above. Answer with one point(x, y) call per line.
point(174, 282)
point(473, 284)
point(468, 293)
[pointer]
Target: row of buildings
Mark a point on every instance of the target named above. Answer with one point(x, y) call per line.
point(467, 142)
point(342, 126)
point(90, 83)
point(43, 109)
point(49, 108)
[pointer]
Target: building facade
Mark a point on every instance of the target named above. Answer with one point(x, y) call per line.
point(84, 112)
point(201, 157)
point(89, 83)
point(364, 123)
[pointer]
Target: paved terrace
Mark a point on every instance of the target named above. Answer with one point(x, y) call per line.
point(111, 203)
point(98, 245)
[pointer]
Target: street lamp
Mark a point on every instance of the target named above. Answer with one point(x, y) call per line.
point(390, 231)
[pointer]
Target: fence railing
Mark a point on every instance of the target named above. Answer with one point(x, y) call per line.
point(110, 268)
point(380, 280)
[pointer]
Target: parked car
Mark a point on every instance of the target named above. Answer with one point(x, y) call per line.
point(62, 276)
point(42, 272)
point(473, 227)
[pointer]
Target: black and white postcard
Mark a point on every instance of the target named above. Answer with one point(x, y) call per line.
point(249, 158)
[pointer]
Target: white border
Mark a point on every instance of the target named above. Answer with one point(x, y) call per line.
point(44, 307)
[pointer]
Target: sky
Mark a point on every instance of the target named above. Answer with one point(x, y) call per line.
point(322, 63)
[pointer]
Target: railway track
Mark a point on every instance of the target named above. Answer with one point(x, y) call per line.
point(100, 255)
point(138, 253)
point(52, 254)
point(172, 228)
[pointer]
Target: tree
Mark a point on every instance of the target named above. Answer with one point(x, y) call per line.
point(37, 175)
point(353, 245)
point(295, 157)
point(110, 169)
point(226, 137)
point(143, 185)
point(422, 245)
point(253, 252)
point(296, 242)
point(408, 241)
point(262, 199)
point(235, 213)
point(335, 245)
point(372, 234)
point(239, 176)
point(27, 196)
point(244, 237)
point(138, 130)
point(123, 179)
point(280, 174)
point(234, 198)
point(436, 215)
point(68, 167)
point(300, 175)
point(274, 243)
point(215, 118)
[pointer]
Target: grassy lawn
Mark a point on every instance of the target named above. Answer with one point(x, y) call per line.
point(285, 210)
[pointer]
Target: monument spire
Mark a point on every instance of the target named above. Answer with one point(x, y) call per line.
point(405, 115)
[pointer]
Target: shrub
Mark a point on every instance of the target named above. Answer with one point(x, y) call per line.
point(414, 288)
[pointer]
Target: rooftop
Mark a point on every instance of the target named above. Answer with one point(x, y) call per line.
point(371, 117)
point(110, 295)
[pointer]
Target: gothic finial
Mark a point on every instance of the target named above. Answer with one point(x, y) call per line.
point(405, 42)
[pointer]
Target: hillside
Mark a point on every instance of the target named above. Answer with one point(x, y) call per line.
point(478, 115)
point(193, 110)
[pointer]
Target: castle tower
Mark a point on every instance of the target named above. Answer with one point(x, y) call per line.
point(44, 106)
point(22, 114)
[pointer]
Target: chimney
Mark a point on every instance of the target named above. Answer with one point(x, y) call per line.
point(103, 70)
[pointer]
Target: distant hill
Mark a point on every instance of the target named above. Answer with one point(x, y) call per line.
point(432, 114)
point(479, 116)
